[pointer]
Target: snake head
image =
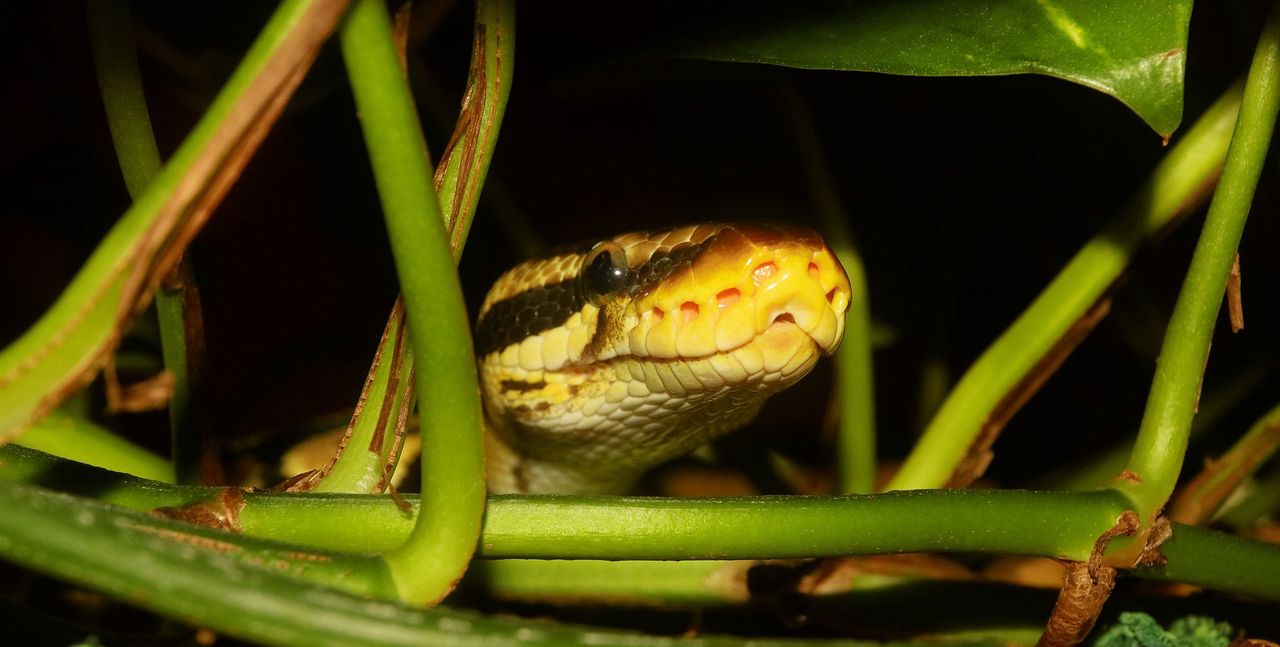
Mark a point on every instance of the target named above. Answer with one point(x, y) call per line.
point(777, 286)
point(601, 362)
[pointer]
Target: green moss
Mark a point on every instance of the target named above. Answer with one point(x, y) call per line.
point(1141, 630)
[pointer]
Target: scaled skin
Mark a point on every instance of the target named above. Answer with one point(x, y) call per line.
point(714, 319)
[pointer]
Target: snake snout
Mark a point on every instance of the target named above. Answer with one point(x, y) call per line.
point(749, 280)
point(805, 288)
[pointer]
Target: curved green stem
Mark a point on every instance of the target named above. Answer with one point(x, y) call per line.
point(116, 60)
point(431, 560)
point(1153, 467)
point(462, 172)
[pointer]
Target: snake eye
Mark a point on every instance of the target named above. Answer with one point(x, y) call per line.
point(604, 272)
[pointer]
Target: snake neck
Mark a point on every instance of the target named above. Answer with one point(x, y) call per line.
point(524, 460)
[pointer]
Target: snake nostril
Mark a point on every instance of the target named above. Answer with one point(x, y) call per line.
point(688, 311)
point(763, 272)
point(657, 314)
point(726, 298)
point(813, 270)
point(785, 317)
point(831, 295)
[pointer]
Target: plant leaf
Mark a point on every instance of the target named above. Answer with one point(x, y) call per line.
point(1134, 50)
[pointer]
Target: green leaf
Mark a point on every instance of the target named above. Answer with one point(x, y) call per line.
point(1134, 50)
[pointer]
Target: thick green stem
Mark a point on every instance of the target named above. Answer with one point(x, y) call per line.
point(1153, 467)
point(1174, 189)
point(458, 180)
point(667, 584)
point(193, 575)
point(431, 560)
point(1058, 524)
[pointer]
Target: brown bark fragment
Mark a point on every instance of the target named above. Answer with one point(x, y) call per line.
point(304, 482)
point(1159, 532)
point(1235, 305)
point(400, 26)
point(150, 394)
point(221, 512)
point(1129, 476)
point(1084, 591)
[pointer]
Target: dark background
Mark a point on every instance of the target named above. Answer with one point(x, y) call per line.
point(966, 196)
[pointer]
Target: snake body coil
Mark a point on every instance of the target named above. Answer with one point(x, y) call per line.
point(601, 362)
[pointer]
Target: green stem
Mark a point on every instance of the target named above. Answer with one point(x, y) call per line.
point(384, 399)
point(1202, 497)
point(431, 560)
point(650, 583)
point(1263, 501)
point(855, 381)
point(466, 159)
point(116, 61)
point(1153, 467)
point(357, 467)
point(1099, 470)
point(80, 440)
point(190, 575)
point(1174, 189)
point(1217, 560)
point(1055, 524)
point(181, 320)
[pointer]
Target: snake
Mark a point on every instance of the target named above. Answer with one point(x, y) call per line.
point(602, 360)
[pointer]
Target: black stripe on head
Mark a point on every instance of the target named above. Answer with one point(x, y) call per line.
point(531, 312)
point(543, 308)
point(648, 275)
